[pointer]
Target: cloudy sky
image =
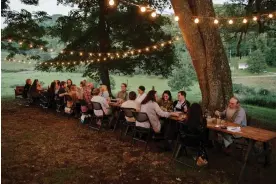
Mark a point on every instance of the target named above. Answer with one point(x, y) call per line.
point(51, 7)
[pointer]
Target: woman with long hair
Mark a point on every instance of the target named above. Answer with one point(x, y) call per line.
point(69, 84)
point(154, 112)
point(27, 88)
point(166, 102)
point(196, 125)
point(51, 94)
point(104, 92)
point(35, 90)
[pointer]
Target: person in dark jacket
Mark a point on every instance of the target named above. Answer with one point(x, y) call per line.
point(27, 88)
point(181, 105)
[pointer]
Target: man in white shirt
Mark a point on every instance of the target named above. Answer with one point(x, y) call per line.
point(102, 101)
point(131, 103)
point(141, 94)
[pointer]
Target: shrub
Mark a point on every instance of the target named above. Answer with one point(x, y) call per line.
point(268, 101)
point(256, 62)
point(263, 92)
point(243, 90)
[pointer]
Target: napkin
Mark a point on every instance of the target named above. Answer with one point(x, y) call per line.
point(234, 129)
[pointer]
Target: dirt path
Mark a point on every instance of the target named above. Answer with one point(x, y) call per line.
point(40, 147)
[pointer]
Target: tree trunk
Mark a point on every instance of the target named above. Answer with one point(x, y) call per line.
point(207, 52)
point(104, 42)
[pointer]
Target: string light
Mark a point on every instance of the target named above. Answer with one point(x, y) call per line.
point(153, 14)
point(10, 40)
point(20, 43)
point(244, 21)
point(230, 21)
point(143, 9)
point(31, 45)
point(71, 53)
point(176, 18)
point(216, 21)
point(270, 15)
point(196, 20)
point(111, 2)
point(80, 53)
point(255, 18)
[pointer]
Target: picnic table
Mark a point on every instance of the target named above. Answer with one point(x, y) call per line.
point(252, 134)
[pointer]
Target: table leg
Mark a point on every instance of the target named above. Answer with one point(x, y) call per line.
point(267, 153)
point(250, 145)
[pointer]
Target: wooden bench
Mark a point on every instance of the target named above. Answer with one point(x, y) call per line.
point(18, 91)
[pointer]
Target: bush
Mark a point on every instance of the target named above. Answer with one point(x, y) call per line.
point(256, 62)
point(243, 90)
point(263, 92)
point(263, 101)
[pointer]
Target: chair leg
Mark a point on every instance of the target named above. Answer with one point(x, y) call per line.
point(126, 130)
point(133, 136)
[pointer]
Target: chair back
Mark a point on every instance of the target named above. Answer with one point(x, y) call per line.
point(128, 112)
point(140, 116)
point(96, 106)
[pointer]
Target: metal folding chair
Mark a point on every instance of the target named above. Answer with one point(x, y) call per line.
point(141, 117)
point(127, 112)
point(102, 119)
point(189, 141)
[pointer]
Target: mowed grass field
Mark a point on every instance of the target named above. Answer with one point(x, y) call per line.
point(11, 78)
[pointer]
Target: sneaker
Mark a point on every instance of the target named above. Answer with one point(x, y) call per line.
point(201, 162)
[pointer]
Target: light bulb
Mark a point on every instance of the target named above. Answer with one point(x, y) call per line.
point(216, 21)
point(10, 40)
point(147, 49)
point(176, 18)
point(153, 14)
point(80, 53)
point(196, 20)
point(31, 45)
point(143, 9)
point(154, 47)
point(230, 21)
point(255, 18)
point(71, 53)
point(20, 43)
point(270, 15)
point(111, 2)
point(244, 21)
point(162, 44)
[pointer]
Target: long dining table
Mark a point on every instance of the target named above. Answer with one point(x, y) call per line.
point(253, 135)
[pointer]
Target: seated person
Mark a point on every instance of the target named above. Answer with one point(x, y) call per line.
point(71, 97)
point(123, 94)
point(166, 102)
point(131, 103)
point(104, 92)
point(181, 105)
point(35, 91)
point(26, 88)
point(234, 113)
point(97, 98)
point(153, 111)
point(141, 94)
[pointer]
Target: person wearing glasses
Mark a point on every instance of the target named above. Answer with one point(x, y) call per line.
point(233, 113)
point(123, 94)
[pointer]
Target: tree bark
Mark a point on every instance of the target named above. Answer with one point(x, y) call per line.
point(205, 46)
point(104, 42)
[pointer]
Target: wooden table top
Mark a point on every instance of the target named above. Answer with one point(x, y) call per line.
point(250, 132)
